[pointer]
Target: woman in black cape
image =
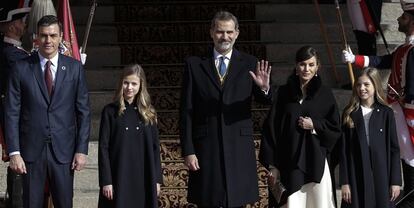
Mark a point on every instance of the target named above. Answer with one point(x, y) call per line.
point(302, 128)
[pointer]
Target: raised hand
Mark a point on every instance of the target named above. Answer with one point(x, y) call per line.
point(262, 75)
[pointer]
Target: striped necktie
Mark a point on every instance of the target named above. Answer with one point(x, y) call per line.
point(48, 78)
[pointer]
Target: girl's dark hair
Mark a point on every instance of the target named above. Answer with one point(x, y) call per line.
point(306, 52)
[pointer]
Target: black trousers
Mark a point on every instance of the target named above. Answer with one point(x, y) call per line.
point(14, 189)
point(58, 175)
point(408, 173)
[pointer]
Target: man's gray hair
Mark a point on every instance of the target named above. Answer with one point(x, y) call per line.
point(224, 16)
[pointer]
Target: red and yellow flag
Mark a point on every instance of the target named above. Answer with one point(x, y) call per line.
point(68, 28)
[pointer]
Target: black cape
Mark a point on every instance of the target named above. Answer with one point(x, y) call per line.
point(299, 155)
point(129, 159)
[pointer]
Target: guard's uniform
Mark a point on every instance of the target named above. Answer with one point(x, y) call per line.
point(10, 52)
point(365, 17)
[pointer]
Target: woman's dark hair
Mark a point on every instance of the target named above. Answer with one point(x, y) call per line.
point(306, 52)
point(302, 54)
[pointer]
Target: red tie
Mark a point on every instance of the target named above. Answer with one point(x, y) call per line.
point(48, 77)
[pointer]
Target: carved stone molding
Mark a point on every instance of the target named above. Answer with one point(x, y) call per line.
point(195, 11)
point(174, 198)
point(165, 98)
point(168, 98)
point(177, 198)
point(178, 31)
point(168, 123)
point(164, 76)
point(176, 52)
point(175, 173)
point(170, 150)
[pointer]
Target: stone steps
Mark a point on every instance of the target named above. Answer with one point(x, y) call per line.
point(284, 27)
point(167, 10)
point(168, 119)
point(306, 12)
point(287, 29)
point(281, 55)
point(171, 75)
point(173, 53)
point(100, 42)
point(105, 55)
point(169, 122)
point(86, 190)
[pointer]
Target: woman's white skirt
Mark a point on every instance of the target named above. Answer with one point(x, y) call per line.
point(314, 195)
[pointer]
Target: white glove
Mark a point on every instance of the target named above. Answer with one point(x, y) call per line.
point(82, 56)
point(348, 56)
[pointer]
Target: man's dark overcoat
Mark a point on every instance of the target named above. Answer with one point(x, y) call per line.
point(216, 126)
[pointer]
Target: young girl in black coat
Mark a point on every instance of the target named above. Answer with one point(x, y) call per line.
point(370, 158)
point(129, 152)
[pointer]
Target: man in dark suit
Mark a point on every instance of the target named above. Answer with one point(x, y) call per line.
point(48, 119)
point(216, 126)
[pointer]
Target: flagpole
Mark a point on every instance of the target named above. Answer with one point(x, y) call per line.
point(344, 41)
point(88, 25)
point(328, 45)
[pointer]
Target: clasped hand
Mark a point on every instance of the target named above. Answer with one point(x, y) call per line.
point(305, 123)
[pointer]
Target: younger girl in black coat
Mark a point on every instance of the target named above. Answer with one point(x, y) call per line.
point(129, 152)
point(370, 158)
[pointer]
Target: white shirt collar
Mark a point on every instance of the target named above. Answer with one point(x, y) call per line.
point(54, 60)
point(218, 55)
point(12, 41)
point(409, 39)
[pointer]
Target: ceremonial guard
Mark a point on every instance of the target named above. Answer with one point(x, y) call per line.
point(13, 15)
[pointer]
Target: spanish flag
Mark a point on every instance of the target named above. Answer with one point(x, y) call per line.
point(69, 39)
